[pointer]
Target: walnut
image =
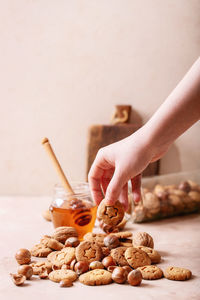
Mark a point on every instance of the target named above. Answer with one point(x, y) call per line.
point(143, 239)
point(64, 232)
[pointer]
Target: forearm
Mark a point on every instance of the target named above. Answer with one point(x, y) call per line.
point(179, 111)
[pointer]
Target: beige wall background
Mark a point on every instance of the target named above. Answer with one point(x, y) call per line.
point(65, 64)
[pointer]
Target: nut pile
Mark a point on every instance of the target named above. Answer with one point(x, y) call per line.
point(167, 201)
point(98, 259)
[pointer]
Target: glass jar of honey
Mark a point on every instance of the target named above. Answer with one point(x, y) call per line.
point(77, 210)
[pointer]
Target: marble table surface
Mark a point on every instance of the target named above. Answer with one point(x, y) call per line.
point(21, 226)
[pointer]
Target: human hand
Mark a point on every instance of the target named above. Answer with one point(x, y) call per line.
point(118, 163)
point(125, 160)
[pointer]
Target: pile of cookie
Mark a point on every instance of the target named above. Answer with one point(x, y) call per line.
point(98, 259)
point(167, 201)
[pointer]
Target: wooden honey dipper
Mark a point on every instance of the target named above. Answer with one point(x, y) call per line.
point(50, 152)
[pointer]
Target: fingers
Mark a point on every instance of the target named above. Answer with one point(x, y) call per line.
point(95, 177)
point(115, 187)
point(136, 188)
point(95, 186)
point(123, 198)
point(105, 180)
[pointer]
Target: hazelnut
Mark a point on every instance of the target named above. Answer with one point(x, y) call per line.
point(111, 241)
point(18, 279)
point(185, 186)
point(23, 256)
point(81, 267)
point(74, 261)
point(111, 268)
point(119, 275)
point(135, 277)
point(127, 268)
point(25, 270)
point(96, 265)
point(66, 283)
point(72, 242)
point(108, 261)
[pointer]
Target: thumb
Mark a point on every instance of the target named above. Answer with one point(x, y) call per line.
point(114, 188)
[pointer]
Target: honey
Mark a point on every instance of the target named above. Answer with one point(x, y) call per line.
point(82, 219)
point(78, 211)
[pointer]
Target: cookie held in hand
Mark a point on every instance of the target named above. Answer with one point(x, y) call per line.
point(111, 215)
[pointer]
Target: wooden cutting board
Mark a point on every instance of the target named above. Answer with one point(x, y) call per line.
point(103, 135)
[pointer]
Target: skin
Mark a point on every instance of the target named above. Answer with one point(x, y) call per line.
point(125, 160)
